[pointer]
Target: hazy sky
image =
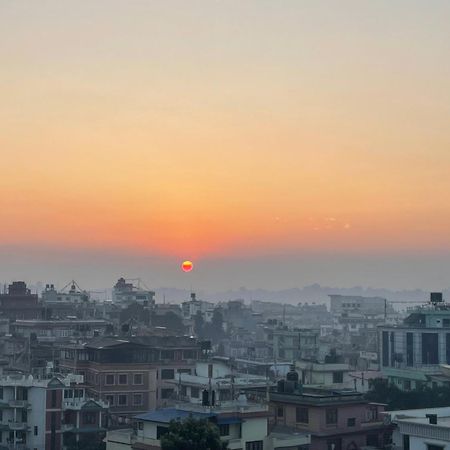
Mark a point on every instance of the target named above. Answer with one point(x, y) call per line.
point(272, 142)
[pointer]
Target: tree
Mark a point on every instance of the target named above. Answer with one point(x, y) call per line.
point(423, 397)
point(192, 434)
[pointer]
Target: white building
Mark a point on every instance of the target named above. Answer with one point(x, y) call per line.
point(241, 425)
point(74, 295)
point(36, 413)
point(125, 292)
point(420, 429)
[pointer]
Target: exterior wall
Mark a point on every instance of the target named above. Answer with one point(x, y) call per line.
point(421, 443)
point(254, 429)
point(36, 396)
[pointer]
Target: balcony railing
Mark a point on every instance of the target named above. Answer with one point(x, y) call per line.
point(18, 426)
point(19, 403)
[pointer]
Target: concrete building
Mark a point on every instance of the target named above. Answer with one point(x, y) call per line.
point(336, 419)
point(19, 303)
point(133, 375)
point(369, 306)
point(241, 425)
point(125, 292)
point(48, 414)
point(72, 295)
point(411, 353)
point(420, 429)
point(60, 330)
point(217, 382)
point(291, 344)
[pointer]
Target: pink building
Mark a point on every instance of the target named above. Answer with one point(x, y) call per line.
point(336, 419)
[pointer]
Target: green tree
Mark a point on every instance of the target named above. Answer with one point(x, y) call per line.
point(192, 434)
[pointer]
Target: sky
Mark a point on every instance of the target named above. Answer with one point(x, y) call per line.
point(274, 143)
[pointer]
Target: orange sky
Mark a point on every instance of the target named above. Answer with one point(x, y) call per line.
point(223, 128)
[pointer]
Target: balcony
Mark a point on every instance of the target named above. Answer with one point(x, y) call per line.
point(19, 404)
point(18, 426)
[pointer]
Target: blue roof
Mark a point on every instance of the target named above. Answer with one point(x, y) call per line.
point(168, 414)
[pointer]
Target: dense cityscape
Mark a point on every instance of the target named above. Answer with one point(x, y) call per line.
point(358, 373)
point(224, 225)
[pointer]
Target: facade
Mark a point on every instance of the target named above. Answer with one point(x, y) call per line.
point(47, 414)
point(336, 420)
point(241, 425)
point(411, 353)
point(50, 296)
point(419, 428)
point(57, 330)
point(125, 292)
point(216, 382)
point(19, 303)
point(289, 344)
point(133, 375)
point(369, 306)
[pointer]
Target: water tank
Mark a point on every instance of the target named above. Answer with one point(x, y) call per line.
point(292, 375)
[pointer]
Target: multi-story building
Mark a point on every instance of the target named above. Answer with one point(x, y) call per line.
point(72, 295)
point(19, 303)
point(410, 353)
point(291, 344)
point(370, 306)
point(336, 419)
point(58, 330)
point(241, 424)
point(217, 381)
point(48, 414)
point(420, 429)
point(133, 375)
point(125, 292)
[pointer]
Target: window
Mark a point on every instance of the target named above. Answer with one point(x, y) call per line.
point(301, 415)
point(224, 430)
point(109, 379)
point(161, 431)
point(338, 377)
point(331, 416)
point(166, 393)
point(189, 354)
point(280, 412)
point(188, 371)
point(140, 425)
point(183, 391)
point(168, 354)
point(138, 378)
point(89, 418)
point(254, 445)
point(123, 378)
point(123, 400)
point(53, 399)
point(406, 442)
point(35, 430)
point(351, 422)
point(167, 374)
point(1, 392)
point(430, 349)
point(110, 400)
point(137, 399)
point(195, 392)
